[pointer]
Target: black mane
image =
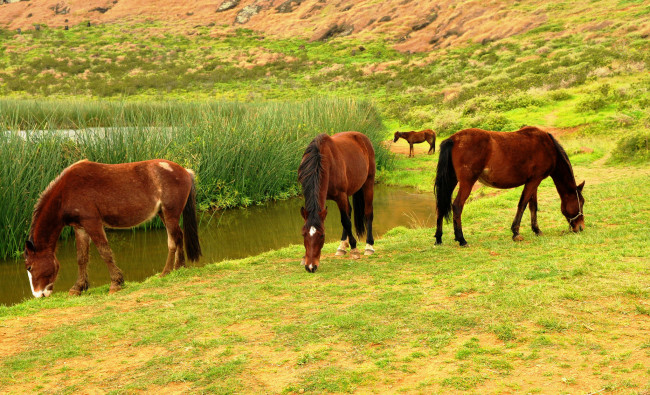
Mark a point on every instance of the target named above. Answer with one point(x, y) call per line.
point(309, 174)
point(564, 158)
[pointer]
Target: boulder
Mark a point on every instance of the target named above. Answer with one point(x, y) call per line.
point(247, 13)
point(228, 5)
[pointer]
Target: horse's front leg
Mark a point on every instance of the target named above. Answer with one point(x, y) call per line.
point(344, 245)
point(526, 194)
point(344, 208)
point(411, 153)
point(83, 245)
point(96, 232)
point(532, 206)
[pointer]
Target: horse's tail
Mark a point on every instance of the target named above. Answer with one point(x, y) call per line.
point(445, 180)
point(359, 211)
point(190, 225)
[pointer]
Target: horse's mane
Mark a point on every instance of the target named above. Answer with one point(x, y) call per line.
point(309, 174)
point(564, 158)
point(43, 198)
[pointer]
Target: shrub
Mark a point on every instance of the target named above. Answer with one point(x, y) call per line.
point(634, 148)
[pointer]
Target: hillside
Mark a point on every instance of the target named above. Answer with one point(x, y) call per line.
point(409, 25)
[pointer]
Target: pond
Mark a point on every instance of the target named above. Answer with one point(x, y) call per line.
point(228, 234)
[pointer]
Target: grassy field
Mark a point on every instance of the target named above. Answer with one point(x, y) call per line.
point(561, 313)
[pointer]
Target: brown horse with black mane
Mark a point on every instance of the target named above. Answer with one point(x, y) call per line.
point(335, 168)
point(505, 160)
point(412, 137)
point(89, 196)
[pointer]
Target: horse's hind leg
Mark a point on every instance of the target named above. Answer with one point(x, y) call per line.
point(83, 245)
point(98, 236)
point(411, 153)
point(532, 206)
point(432, 146)
point(368, 195)
point(464, 189)
point(526, 194)
point(176, 254)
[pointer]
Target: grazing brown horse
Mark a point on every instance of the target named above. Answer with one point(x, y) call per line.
point(89, 196)
point(335, 168)
point(505, 160)
point(427, 135)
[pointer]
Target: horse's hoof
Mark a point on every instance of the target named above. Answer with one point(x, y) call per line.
point(464, 244)
point(518, 238)
point(340, 252)
point(113, 289)
point(355, 254)
point(368, 252)
point(74, 292)
point(539, 233)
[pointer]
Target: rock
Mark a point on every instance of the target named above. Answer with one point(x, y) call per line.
point(288, 6)
point(247, 13)
point(228, 5)
point(336, 30)
point(426, 22)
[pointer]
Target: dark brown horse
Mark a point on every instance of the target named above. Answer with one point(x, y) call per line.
point(505, 160)
point(412, 137)
point(335, 168)
point(89, 196)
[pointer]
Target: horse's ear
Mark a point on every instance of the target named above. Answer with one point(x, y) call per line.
point(582, 185)
point(323, 214)
point(303, 212)
point(29, 247)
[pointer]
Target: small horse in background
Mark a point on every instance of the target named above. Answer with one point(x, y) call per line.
point(335, 168)
point(505, 160)
point(412, 137)
point(89, 196)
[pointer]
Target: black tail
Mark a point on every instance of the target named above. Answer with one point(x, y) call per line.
point(445, 180)
point(191, 227)
point(359, 212)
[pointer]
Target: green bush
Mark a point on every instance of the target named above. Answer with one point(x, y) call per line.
point(592, 102)
point(632, 149)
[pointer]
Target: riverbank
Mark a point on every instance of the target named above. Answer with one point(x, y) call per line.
point(559, 313)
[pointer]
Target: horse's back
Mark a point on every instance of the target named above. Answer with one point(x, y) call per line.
point(503, 159)
point(125, 194)
point(353, 160)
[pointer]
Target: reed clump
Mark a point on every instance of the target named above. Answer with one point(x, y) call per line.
point(242, 153)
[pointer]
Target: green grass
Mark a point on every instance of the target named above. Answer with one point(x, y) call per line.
point(412, 316)
point(242, 154)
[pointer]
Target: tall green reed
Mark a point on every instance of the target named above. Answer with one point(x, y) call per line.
point(242, 154)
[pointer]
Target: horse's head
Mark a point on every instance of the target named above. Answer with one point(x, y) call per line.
point(572, 206)
point(397, 136)
point(314, 238)
point(42, 269)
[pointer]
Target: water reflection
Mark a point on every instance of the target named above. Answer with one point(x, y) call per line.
point(229, 234)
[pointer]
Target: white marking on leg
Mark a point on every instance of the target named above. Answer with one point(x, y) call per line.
point(165, 166)
point(312, 231)
point(344, 245)
point(369, 248)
